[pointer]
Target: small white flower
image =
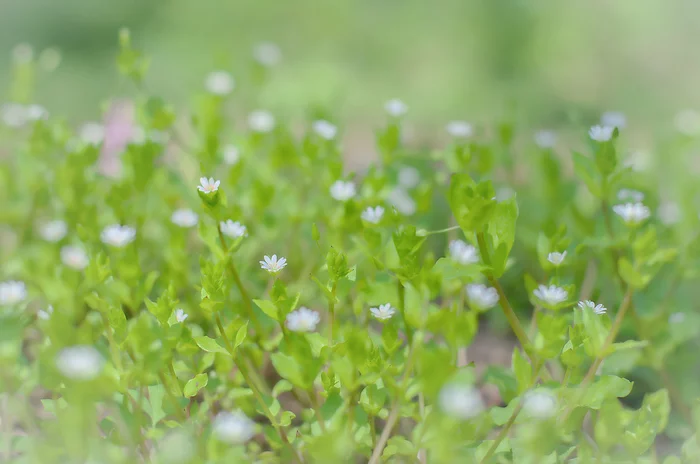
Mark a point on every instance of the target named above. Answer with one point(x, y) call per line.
point(545, 138)
point(596, 308)
point(481, 296)
point(601, 133)
point(373, 215)
point(343, 190)
point(13, 115)
point(233, 229)
point(639, 160)
point(267, 54)
point(460, 129)
point(208, 185)
point(37, 112)
point(540, 404)
point(80, 362)
point(12, 292)
point(22, 53)
point(325, 129)
point(231, 155)
point(383, 312)
point(409, 177)
point(463, 253)
point(504, 193)
point(45, 314)
point(219, 83)
point(613, 119)
point(302, 320)
point(181, 315)
point(676, 318)
point(74, 257)
point(687, 122)
point(552, 295)
point(556, 258)
point(233, 427)
point(184, 217)
point(92, 133)
point(632, 213)
point(396, 108)
point(261, 121)
point(177, 447)
point(669, 212)
point(117, 235)
point(461, 401)
point(273, 265)
point(629, 194)
point(50, 58)
point(53, 231)
point(402, 201)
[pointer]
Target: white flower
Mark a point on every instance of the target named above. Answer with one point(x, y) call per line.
point(302, 320)
point(545, 138)
point(233, 427)
point(669, 212)
point(396, 108)
point(601, 133)
point(74, 257)
point(687, 122)
point(556, 258)
point(232, 229)
point(184, 217)
point(180, 315)
point(231, 155)
point(22, 53)
point(13, 115)
point(596, 308)
point(177, 447)
point(383, 312)
point(461, 401)
point(632, 213)
point(409, 177)
point(273, 265)
point(80, 362)
point(208, 185)
point(45, 314)
point(50, 58)
point(481, 296)
point(613, 119)
point(402, 201)
point(261, 121)
point(92, 133)
point(219, 83)
point(343, 190)
point(53, 231)
point(460, 129)
point(629, 194)
point(324, 129)
point(551, 295)
point(504, 193)
point(12, 292)
point(463, 253)
point(639, 160)
point(36, 112)
point(373, 215)
point(267, 54)
point(540, 404)
point(676, 318)
point(117, 235)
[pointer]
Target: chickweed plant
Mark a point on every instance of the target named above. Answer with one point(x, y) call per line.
point(228, 292)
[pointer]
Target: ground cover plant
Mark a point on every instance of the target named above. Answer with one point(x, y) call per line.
point(231, 293)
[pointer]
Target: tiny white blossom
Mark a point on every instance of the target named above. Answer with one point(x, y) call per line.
point(342, 190)
point(50, 58)
point(12, 292)
point(180, 315)
point(596, 308)
point(687, 122)
point(302, 320)
point(409, 177)
point(402, 201)
point(13, 115)
point(267, 54)
point(373, 215)
point(676, 318)
point(45, 314)
point(177, 447)
point(556, 257)
point(37, 112)
point(184, 217)
point(551, 295)
point(460, 129)
point(632, 213)
point(629, 194)
point(325, 129)
point(117, 235)
point(80, 362)
point(231, 155)
point(74, 257)
point(504, 193)
point(208, 185)
point(92, 133)
point(396, 108)
point(669, 212)
point(461, 401)
point(261, 121)
point(639, 160)
point(233, 229)
point(463, 253)
point(233, 427)
point(219, 83)
point(613, 119)
point(53, 231)
point(545, 138)
point(540, 404)
point(22, 53)
point(383, 312)
point(272, 264)
point(481, 296)
point(601, 133)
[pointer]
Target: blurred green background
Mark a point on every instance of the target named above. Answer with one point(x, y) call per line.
point(446, 59)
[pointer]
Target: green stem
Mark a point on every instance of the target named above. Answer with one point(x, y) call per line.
point(402, 310)
point(113, 348)
point(317, 410)
point(171, 369)
point(171, 397)
point(331, 312)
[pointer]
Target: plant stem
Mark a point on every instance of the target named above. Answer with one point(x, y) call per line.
point(402, 310)
point(177, 382)
point(179, 412)
point(317, 410)
point(113, 348)
point(331, 312)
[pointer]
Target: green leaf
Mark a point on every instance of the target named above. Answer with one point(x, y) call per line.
point(631, 275)
point(288, 368)
point(241, 335)
point(210, 345)
point(281, 387)
point(586, 171)
point(472, 204)
point(195, 384)
point(522, 369)
point(268, 307)
point(501, 231)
